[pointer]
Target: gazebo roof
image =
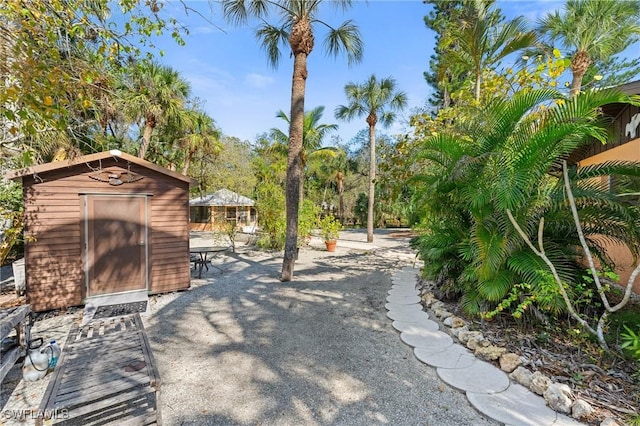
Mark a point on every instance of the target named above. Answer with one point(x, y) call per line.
point(222, 197)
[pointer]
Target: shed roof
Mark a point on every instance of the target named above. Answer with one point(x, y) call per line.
point(613, 111)
point(222, 197)
point(114, 153)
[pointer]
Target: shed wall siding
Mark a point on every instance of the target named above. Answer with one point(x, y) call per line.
point(54, 212)
point(623, 258)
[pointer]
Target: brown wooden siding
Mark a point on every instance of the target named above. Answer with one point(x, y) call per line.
point(620, 146)
point(54, 212)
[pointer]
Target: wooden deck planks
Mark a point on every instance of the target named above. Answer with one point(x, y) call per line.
point(106, 375)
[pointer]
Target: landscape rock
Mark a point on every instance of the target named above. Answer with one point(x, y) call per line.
point(581, 409)
point(454, 322)
point(490, 352)
point(437, 305)
point(539, 383)
point(608, 421)
point(465, 336)
point(509, 362)
point(428, 299)
point(456, 331)
point(522, 376)
point(558, 397)
point(427, 285)
point(442, 313)
point(475, 342)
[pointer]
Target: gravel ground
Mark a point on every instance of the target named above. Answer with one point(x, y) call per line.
point(240, 347)
point(243, 348)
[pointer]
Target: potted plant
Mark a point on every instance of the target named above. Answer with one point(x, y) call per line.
point(329, 228)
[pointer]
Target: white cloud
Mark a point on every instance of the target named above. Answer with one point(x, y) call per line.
point(258, 81)
point(203, 30)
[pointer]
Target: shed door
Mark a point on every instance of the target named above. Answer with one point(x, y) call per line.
point(116, 243)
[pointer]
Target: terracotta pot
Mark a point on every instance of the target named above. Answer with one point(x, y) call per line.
point(331, 245)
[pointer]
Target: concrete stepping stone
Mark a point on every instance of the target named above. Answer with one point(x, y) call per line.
point(404, 300)
point(410, 286)
point(479, 377)
point(411, 327)
point(407, 286)
point(427, 339)
point(403, 287)
point(410, 272)
point(403, 292)
point(401, 307)
point(455, 356)
point(514, 406)
point(404, 277)
point(408, 315)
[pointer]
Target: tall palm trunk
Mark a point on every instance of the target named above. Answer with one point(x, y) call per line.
point(146, 138)
point(477, 88)
point(187, 161)
point(294, 160)
point(579, 65)
point(302, 167)
point(371, 120)
point(341, 196)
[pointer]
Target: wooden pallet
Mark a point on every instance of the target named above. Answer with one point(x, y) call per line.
point(14, 318)
point(106, 375)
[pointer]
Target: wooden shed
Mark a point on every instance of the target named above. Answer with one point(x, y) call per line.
point(101, 224)
point(624, 145)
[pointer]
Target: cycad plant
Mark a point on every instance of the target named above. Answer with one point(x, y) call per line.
point(509, 158)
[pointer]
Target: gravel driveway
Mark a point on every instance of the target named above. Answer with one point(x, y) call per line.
point(241, 347)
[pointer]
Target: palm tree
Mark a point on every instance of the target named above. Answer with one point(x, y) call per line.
point(378, 100)
point(592, 30)
point(154, 94)
point(201, 136)
point(481, 41)
point(298, 19)
point(313, 133)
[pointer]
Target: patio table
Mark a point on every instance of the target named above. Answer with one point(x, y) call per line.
point(200, 256)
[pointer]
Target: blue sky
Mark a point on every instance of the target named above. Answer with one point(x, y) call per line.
point(228, 70)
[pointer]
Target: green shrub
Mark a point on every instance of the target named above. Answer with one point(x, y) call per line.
point(329, 227)
point(270, 202)
point(306, 221)
point(631, 342)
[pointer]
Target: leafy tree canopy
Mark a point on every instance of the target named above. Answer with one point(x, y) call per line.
point(57, 57)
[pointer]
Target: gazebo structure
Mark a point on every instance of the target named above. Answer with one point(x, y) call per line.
point(102, 224)
point(213, 212)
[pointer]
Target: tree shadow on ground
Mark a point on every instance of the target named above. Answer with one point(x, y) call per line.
point(248, 349)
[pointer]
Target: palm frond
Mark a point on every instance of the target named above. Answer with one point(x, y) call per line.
point(346, 38)
point(271, 37)
point(607, 168)
point(495, 288)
